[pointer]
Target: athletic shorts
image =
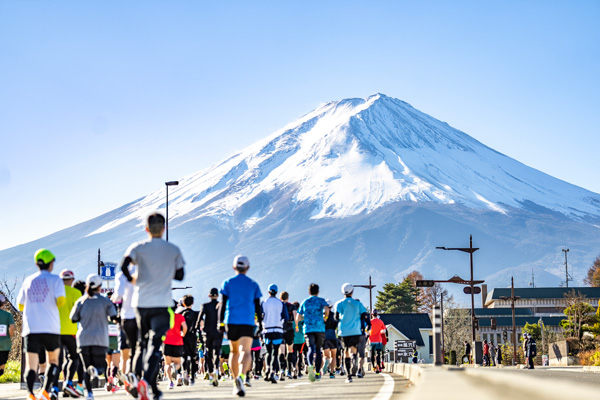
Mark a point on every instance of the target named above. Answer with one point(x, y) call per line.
point(200, 353)
point(362, 344)
point(225, 351)
point(235, 332)
point(288, 337)
point(377, 346)
point(3, 357)
point(110, 352)
point(275, 338)
point(350, 341)
point(173, 351)
point(315, 338)
point(299, 347)
point(330, 344)
point(36, 342)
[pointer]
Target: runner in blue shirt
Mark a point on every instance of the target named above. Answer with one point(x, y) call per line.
point(315, 311)
point(349, 313)
point(241, 302)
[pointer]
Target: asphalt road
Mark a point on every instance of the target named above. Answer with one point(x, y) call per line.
point(372, 386)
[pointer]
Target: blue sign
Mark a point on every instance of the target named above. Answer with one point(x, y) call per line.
point(108, 272)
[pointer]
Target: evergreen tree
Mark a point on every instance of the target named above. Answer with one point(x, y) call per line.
point(398, 298)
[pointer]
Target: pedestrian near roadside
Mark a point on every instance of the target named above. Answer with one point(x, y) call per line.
point(7, 332)
point(492, 354)
point(499, 355)
point(158, 262)
point(486, 353)
point(39, 298)
point(92, 312)
point(466, 359)
point(531, 351)
point(240, 304)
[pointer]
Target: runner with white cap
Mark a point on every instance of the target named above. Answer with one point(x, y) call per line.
point(349, 312)
point(275, 315)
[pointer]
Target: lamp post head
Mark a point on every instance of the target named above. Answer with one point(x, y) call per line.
point(172, 183)
point(441, 248)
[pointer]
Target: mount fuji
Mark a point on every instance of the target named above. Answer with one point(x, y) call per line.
point(355, 188)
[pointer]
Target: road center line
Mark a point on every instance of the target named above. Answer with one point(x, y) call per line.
point(387, 390)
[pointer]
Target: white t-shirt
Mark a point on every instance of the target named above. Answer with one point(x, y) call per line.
point(38, 295)
point(156, 261)
point(124, 292)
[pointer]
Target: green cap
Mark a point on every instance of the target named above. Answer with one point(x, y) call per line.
point(44, 257)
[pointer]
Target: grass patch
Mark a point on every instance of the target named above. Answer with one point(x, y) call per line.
point(12, 372)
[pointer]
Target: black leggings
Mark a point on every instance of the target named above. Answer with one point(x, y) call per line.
point(70, 366)
point(153, 324)
point(212, 355)
point(190, 356)
point(92, 356)
point(258, 362)
point(376, 357)
point(131, 333)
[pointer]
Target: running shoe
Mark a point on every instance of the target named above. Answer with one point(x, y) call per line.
point(331, 375)
point(31, 397)
point(158, 396)
point(44, 395)
point(248, 381)
point(173, 371)
point(93, 375)
point(349, 379)
point(282, 377)
point(70, 391)
point(54, 394)
point(90, 396)
point(326, 365)
point(239, 388)
point(311, 373)
point(186, 379)
point(109, 384)
point(318, 376)
point(360, 373)
point(142, 389)
point(206, 376)
point(273, 377)
point(289, 375)
point(79, 389)
point(171, 385)
point(130, 384)
point(179, 380)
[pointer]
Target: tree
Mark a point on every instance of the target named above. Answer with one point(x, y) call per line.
point(427, 297)
point(457, 328)
point(593, 274)
point(534, 330)
point(579, 314)
point(398, 298)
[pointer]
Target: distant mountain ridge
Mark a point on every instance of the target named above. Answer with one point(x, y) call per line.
point(331, 187)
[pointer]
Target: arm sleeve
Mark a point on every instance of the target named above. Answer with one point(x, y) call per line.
point(223, 308)
point(59, 293)
point(21, 298)
point(284, 313)
point(125, 268)
point(119, 287)
point(258, 310)
point(75, 317)
point(179, 274)
point(178, 265)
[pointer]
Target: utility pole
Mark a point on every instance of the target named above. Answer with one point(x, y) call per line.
point(512, 299)
point(370, 286)
point(567, 277)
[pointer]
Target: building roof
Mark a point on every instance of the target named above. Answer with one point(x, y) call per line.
point(501, 312)
point(543, 293)
point(409, 324)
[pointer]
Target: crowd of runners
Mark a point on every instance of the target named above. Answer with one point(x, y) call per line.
point(137, 336)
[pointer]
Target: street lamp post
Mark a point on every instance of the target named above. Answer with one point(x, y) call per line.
point(512, 299)
point(370, 286)
point(469, 250)
point(167, 184)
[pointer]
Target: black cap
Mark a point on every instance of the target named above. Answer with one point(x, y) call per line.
point(214, 292)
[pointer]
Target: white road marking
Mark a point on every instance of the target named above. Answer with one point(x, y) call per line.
point(293, 385)
point(387, 390)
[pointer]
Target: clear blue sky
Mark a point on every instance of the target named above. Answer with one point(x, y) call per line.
point(103, 101)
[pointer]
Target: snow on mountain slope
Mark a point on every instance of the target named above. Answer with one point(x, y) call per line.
point(356, 155)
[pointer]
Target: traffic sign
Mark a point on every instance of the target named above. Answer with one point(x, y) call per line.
point(108, 271)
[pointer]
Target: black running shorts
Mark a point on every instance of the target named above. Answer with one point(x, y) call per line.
point(235, 332)
point(173, 351)
point(350, 341)
point(36, 342)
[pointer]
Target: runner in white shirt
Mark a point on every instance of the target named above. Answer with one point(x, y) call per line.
point(39, 298)
point(123, 294)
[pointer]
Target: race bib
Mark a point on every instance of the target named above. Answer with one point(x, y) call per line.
point(3, 330)
point(113, 330)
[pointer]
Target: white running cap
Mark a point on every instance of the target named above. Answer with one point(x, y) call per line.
point(241, 262)
point(93, 281)
point(347, 288)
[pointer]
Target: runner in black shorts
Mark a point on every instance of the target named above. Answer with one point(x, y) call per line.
point(39, 299)
point(157, 263)
point(331, 343)
point(288, 335)
point(208, 323)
